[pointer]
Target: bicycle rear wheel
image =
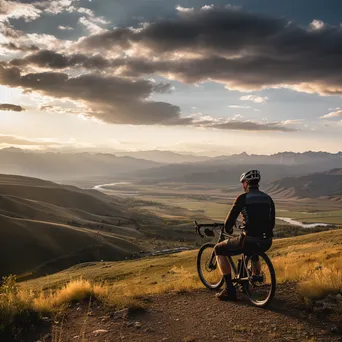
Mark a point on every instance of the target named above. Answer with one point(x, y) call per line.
point(207, 267)
point(261, 285)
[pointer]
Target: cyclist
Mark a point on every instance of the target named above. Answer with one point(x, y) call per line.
point(258, 213)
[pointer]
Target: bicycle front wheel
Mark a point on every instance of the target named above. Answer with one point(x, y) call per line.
point(207, 267)
point(261, 285)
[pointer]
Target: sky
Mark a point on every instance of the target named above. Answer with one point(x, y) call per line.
point(206, 77)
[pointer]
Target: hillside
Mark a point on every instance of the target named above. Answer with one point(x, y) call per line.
point(320, 184)
point(46, 227)
point(180, 309)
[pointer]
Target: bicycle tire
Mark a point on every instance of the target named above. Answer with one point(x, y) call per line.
point(206, 282)
point(271, 294)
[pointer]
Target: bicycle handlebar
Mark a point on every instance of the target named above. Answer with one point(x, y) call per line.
point(207, 225)
point(213, 225)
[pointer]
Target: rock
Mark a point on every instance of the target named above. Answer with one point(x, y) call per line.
point(163, 275)
point(137, 325)
point(148, 330)
point(90, 313)
point(325, 332)
point(100, 332)
point(129, 324)
point(47, 338)
point(77, 336)
point(120, 314)
point(214, 337)
point(46, 319)
point(339, 296)
point(334, 329)
point(154, 283)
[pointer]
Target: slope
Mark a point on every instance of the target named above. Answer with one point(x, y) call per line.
point(320, 184)
point(56, 226)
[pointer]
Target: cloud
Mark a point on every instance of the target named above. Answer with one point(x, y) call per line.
point(65, 28)
point(23, 48)
point(254, 98)
point(245, 51)
point(15, 10)
point(38, 143)
point(54, 60)
point(239, 107)
point(91, 26)
point(11, 107)
point(253, 126)
point(292, 122)
point(111, 99)
point(56, 6)
point(334, 114)
point(13, 140)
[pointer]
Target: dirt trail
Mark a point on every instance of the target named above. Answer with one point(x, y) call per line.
point(198, 316)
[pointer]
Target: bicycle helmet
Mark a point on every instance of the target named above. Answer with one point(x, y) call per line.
point(249, 176)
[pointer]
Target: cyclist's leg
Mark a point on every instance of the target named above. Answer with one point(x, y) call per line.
point(229, 247)
point(223, 250)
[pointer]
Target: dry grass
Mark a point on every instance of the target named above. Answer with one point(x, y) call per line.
point(316, 265)
point(22, 308)
point(313, 261)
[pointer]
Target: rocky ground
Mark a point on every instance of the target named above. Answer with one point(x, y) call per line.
point(198, 316)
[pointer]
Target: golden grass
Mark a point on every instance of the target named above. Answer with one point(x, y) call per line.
point(314, 261)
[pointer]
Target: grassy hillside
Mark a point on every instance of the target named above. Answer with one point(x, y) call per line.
point(328, 184)
point(43, 247)
point(46, 227)
point(313, 260)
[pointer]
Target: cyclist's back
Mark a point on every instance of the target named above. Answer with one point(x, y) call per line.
point(257, 211)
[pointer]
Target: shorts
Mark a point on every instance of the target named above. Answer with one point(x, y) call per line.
point(238, 244)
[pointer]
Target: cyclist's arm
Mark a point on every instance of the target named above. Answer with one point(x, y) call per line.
point(233, 215)
point(273, 214)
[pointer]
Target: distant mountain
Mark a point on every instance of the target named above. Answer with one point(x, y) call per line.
point(226, 170)
point(320, 184)
point(68, 166)
point(165, 157)
point(283, 158)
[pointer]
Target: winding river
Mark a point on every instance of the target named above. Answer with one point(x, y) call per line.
point(301, 224)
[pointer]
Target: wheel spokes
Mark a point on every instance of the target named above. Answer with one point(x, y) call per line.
point(260, 280)
point(209, 267)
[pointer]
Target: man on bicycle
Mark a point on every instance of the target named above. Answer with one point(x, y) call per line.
point(258, 214)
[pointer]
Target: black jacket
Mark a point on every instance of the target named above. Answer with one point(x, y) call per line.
point(258, 213)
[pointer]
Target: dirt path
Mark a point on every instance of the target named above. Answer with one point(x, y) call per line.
point(198, 316)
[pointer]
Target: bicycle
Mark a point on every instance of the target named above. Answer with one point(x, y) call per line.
point(258, 285)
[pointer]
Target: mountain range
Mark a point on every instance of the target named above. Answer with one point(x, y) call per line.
point(320, 184)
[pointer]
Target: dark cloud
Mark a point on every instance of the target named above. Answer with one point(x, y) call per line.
point(23, 48)
point(240, 49)
point(253, 126)
point(55, 60)
point(113, 99)
point(118, 100)
point(11, 107)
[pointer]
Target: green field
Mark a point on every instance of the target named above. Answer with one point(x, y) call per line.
point(216, 209)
